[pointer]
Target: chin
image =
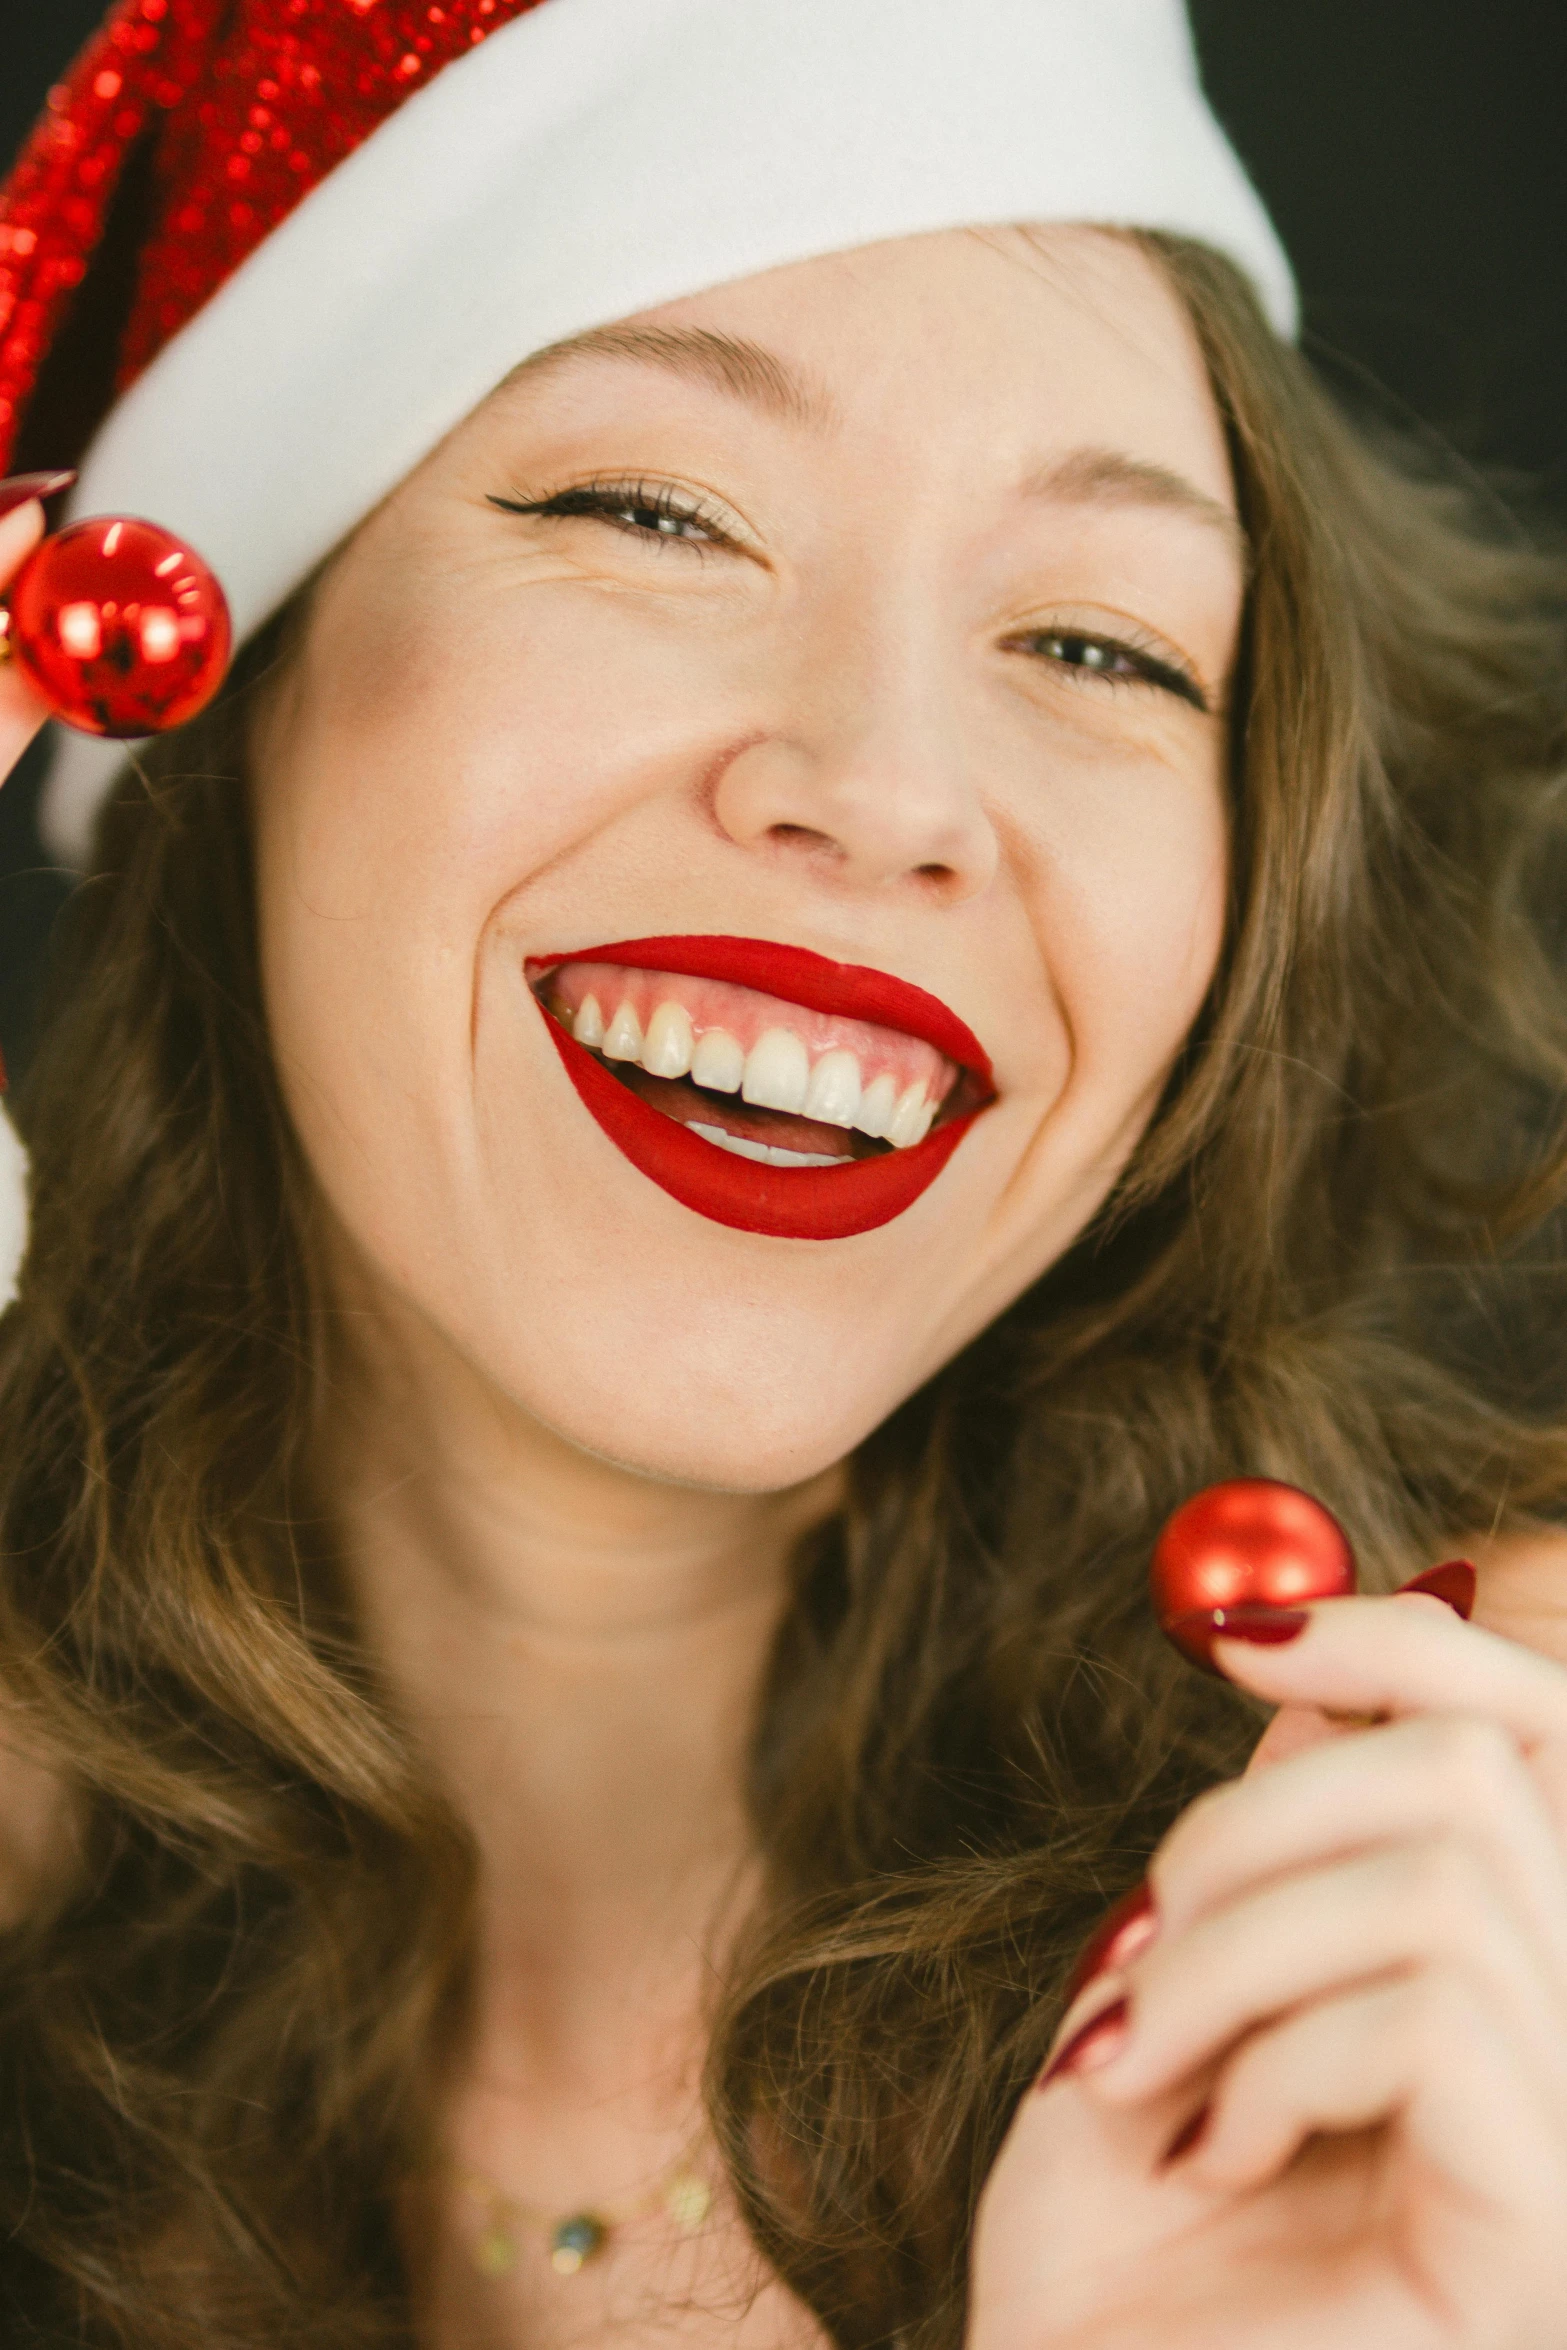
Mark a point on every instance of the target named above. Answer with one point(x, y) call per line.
point(712, 1408)
point(709, 1460)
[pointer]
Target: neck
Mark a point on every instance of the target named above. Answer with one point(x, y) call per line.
point(580, 1650)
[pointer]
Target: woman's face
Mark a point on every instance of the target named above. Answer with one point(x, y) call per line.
point(900, 635)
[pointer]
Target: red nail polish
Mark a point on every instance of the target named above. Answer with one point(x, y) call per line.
point(1453, 1583)
point(1125, 1930)
point(1186, 2137)
point(1091, 2045)
point(1269, 1627)
point(1252, 1620)
point(22, 488)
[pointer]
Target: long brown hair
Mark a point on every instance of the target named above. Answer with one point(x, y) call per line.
point(1334, 1259)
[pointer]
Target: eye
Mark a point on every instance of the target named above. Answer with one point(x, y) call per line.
point(645, 510)
point(1113, 662)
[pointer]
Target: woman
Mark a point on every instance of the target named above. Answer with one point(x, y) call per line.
point(523, 1599)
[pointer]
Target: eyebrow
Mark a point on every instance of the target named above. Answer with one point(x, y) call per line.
point(1109, 477)
point(749, 372)
point(729, 362)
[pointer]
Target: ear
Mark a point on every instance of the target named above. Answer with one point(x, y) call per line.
point(13, 1209)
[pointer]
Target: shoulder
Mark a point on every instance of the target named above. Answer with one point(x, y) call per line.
point(1522, 1589)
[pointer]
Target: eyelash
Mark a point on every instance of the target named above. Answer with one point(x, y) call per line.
point(1145, 667)
point(621, 503)
point(613, 501)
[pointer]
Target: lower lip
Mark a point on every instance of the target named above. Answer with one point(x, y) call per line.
point(807, 1203)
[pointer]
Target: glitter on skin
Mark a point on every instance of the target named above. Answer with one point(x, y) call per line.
point(249, 107)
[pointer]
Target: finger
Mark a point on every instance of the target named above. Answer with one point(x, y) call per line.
point(1426, 1776)
point(1100, 2174)
point(1403, 1656)
point(1072, 2137)
point(22, 711)
point(21, 528)
point(1399, 1909)
point(1078, 2189)
point(1424, 2052)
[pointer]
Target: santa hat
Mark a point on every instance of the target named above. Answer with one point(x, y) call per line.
point(262, 255)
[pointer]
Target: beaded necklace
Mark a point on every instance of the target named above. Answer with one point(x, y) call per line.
point(574, 2238)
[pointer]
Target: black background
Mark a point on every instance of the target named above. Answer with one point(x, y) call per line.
point(1413, 154)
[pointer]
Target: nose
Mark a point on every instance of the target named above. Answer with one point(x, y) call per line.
point(869, 779)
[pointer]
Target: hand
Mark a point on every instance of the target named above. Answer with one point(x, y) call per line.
point(1357, 2001)
point(22, 713)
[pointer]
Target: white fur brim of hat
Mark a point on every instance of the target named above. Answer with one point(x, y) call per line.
point(596, 158)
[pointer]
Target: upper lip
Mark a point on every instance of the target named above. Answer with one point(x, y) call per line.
point(852, 991)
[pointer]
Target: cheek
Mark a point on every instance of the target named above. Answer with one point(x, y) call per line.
point(380, 841)
point(1139, 877)
point(448, 756)
point(418, 787)
point(422, 772)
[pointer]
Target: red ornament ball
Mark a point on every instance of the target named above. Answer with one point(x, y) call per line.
point(121, 628)
point(1251, 1540)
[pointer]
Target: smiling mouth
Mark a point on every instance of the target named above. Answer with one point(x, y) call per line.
point(766, 1087)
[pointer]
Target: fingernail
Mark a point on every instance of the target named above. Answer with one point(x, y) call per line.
point(1091, 2045)
point(1269, 1627)
point(1116, 1940)
point(1187, 2136)
point(1452, 1583)
point(22, 488)
point(1253, 1620)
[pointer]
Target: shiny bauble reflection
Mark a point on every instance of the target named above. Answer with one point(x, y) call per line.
point(120, 627)
point(1252, 1541)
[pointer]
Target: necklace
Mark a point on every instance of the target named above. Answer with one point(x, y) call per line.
point(576, 2237)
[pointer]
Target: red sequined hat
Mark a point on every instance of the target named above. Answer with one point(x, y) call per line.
point(233, 113)
point(263, 255)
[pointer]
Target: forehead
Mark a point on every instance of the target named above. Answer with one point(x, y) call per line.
point(1047, 339)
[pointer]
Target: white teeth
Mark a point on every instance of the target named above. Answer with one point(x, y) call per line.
point(775, 1075)
point(666, 1052)
point(834, 1091)
point(624, 1039)
point(718, 1063)
point(877, 1104)
point(768, 1153)
point(777, 1072)
point(910, 1121)
point(588, 1026)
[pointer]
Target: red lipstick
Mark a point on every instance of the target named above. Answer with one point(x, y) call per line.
point(807, 1203)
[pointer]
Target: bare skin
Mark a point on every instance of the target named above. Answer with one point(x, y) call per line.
point(576, 1428)
point(571, 1473)
point(1337, 2113)
point(581, 1650)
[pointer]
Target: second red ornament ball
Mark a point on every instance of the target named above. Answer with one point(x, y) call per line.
point(1250, 1541)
